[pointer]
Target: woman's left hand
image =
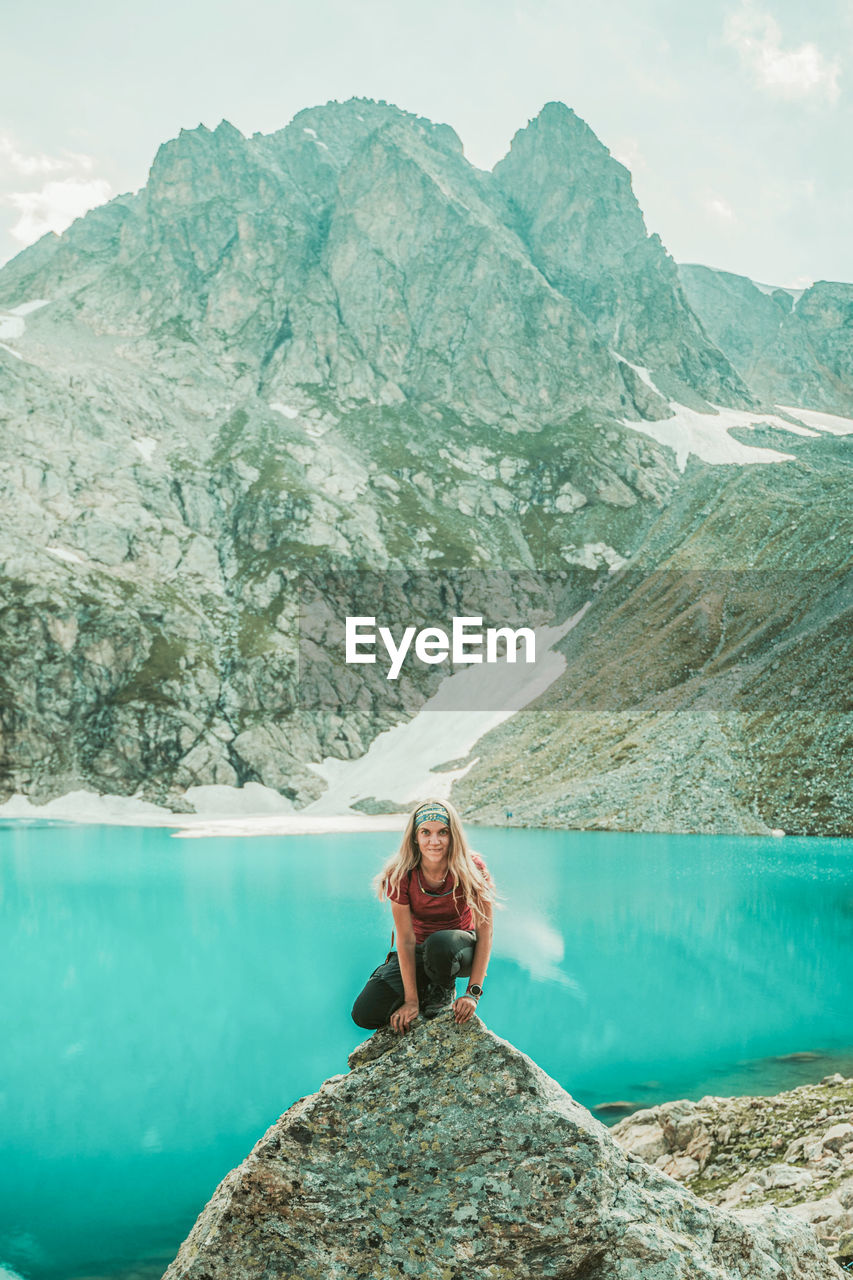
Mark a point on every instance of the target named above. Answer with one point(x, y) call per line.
point(464, 1008)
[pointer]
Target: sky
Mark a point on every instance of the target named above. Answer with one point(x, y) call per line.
point(734, 116)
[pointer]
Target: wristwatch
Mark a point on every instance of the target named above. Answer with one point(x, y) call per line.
point(475, 991)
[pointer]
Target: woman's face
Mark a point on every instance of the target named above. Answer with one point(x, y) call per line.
point(433, 838)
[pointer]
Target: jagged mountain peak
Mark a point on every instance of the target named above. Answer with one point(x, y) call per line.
point(343, 224)
point(557, 124)
point(576, 211)
point(226, 129)
point(338, 343)
point(338, 129)
point(202, 134)
point(207, 154)
point(564, 182)
point(557, 151)
point(201, 130)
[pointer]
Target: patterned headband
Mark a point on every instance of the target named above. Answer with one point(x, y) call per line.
point(431, 813)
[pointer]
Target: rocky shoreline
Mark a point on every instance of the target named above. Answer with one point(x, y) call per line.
point(792, 1151)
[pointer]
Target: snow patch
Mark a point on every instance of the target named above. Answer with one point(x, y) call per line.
point(247, 819)
point(89, 807)
point(62, 553)
point(830, 422)
point(27, 307)
point(240, 803)
point(146, 446)
point(795, 294)
point(641, 372)
point(707, 435)
point(295, 824)
point(12, 324)
point(17, 356)
point(397, 766)
point(252, 799)
point(11, 327)
point(312, 134)
point(285, 409)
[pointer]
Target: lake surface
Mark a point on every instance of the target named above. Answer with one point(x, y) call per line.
point(164, 1000)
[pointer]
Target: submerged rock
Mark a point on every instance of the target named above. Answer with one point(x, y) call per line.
point(448, 1153)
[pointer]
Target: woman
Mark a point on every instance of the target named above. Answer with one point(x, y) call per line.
point(442, 896)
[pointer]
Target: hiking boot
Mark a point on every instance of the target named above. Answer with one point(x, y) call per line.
point(438, 998)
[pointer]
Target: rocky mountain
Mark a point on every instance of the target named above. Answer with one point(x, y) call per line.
point(447, 1152)
point(358, 253)
point(792, 346)
point(339, 364)
point(576, 213)
point(793, 1150)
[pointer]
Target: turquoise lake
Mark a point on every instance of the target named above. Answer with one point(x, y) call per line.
point(164, 999)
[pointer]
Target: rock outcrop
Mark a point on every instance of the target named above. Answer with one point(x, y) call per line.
point(792, 1150)
point(447, 1153)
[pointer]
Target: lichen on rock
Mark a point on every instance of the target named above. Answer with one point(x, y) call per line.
point(447, 1153)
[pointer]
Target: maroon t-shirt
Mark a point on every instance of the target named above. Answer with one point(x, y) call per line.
point(429, 914)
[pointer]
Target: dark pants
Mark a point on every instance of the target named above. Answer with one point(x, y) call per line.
point(438, 962)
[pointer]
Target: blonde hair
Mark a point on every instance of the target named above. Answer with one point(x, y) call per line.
point(477, 886)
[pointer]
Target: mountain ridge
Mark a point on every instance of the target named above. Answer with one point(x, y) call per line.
point(293, 356)
point(795, 350)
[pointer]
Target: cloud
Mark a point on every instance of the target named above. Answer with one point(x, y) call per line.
point(627, 151)
point(721, 209)
point(52, 202)
point(55, 206)
point(16, 161)
point(792, 73)
point(537, 947)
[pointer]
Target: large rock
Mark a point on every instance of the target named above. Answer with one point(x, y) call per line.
point(447, 1153)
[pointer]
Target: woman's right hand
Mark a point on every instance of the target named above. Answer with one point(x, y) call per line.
point(403, 1017)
